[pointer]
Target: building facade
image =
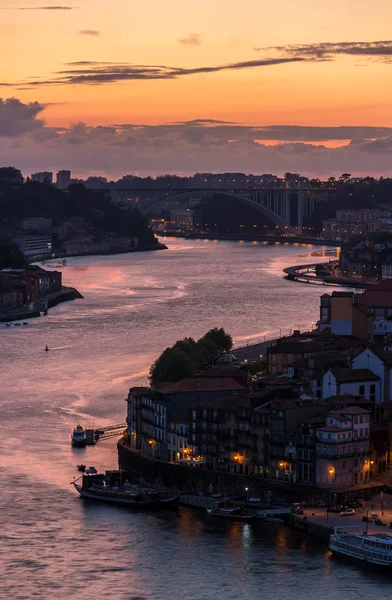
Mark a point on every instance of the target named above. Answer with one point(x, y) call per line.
point(343, 449)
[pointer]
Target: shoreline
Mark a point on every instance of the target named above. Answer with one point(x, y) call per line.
point(42, 304)
point(321, 274)
point(234, 237)
point(158, 246)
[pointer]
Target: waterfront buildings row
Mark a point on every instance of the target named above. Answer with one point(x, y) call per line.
point(319, 415)
point(74, 237)
point(20, 288)
point(351, 223)
point(367, 260)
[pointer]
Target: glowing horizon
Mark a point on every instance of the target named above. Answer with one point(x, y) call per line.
point(264, 64)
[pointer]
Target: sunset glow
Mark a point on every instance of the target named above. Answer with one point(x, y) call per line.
point(253, 64)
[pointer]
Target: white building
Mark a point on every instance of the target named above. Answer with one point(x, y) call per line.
point(343, 449)
point(380, 364)
point(35, 246)
point(355, 382)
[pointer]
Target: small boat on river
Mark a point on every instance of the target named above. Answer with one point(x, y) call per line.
point(78, 437)
point(114, 487)
point(229, 510)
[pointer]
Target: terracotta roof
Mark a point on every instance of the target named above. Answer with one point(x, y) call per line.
point(140, 391)
point(338, 417)
point(348, 375)
point(224, 403)
point(200, 385)
point(352, 410)
point(378, 296)
point(330, 428)
point(218, 373)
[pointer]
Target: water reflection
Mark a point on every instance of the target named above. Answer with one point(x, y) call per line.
point(55, 544)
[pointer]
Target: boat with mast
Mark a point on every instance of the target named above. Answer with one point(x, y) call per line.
point(116, 487)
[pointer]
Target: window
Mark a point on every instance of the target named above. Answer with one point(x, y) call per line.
point(362, 390)
point(372, 393)
point(344, 465)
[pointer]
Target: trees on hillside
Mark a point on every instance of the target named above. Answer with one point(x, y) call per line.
point(186, 357)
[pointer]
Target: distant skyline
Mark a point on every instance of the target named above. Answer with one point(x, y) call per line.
point(110, 88)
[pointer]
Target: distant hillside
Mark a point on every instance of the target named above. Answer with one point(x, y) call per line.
point(41, 200)
point(228, 215)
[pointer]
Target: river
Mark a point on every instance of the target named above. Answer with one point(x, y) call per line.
point(55, 545)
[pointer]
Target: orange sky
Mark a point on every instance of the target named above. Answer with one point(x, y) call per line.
point(347, 89)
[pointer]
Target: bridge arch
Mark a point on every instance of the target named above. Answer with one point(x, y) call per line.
point(258, 207)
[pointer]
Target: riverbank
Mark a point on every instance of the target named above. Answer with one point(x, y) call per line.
point(323, 274)
point(157, 246)
point(249, 237)
point(41, 305)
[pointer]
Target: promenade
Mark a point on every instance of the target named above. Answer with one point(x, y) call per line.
point(380, 505)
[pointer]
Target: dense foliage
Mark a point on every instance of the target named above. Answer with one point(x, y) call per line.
point(346, 194)
point(10, 255)
point(41, 200)
point(186, 357)
point(222, 214)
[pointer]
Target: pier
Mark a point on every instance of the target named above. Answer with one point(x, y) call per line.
point(103, 433)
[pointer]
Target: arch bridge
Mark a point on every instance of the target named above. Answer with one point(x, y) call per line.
point(285, 207)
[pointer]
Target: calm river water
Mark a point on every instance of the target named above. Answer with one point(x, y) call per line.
point(53, 545)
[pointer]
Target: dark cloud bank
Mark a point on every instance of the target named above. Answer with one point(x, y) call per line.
point(185, 147)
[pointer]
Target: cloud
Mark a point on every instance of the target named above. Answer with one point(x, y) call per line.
point(193, 39)
point(90, 72)
point(17, 118)
point(202, 144)
point(45, 8)
point(326, 51)
point(92, 32)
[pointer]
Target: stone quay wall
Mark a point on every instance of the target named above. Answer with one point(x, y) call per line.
point(196, 480)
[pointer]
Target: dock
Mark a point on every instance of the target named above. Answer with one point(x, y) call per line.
point(103, 433)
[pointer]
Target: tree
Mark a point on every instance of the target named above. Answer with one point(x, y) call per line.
point(186, 357)
point(345, 177)
point(10, 255)
point(209, 351)
point(173, 365)
point(223, 340)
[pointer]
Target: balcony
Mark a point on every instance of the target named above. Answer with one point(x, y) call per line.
point(335, 456)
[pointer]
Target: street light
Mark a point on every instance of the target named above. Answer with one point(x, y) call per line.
point(246, 501)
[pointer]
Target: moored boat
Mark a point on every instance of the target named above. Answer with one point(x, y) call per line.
point(229, 510)
point(78, 437)
point(114, 487)
point(375, 549)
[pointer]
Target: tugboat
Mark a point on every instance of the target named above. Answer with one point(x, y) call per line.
point(78, 437)
point(229, 510)
point(114, 487)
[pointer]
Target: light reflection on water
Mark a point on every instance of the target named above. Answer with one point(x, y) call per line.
point(54, 544)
